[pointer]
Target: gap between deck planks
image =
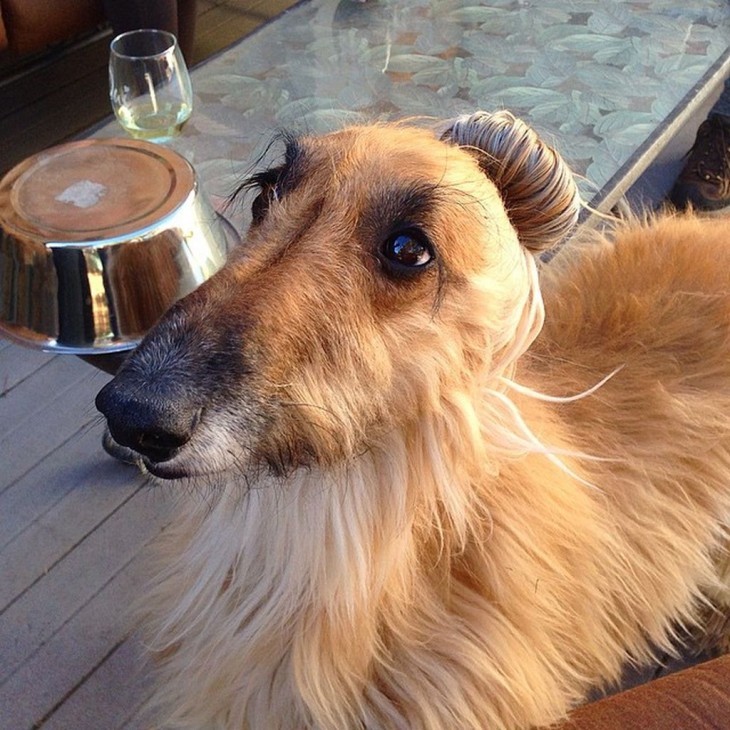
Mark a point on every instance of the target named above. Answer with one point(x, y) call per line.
point(18, 363)
point(107, 699)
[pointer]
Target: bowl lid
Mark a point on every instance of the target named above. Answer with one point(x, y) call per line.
point(94, 190)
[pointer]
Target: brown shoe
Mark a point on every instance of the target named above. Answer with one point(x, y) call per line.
point(704, 182)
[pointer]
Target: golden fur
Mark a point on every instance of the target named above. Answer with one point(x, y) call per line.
point(421, 536)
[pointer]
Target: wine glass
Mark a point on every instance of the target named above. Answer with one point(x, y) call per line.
point(149, 84)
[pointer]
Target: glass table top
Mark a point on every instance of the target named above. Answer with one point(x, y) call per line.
point(602, 81)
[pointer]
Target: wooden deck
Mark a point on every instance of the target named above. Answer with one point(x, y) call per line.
point(74, 525)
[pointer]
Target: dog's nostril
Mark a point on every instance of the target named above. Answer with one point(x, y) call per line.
point(163, 440)
point(155, 443)
point(161, 443)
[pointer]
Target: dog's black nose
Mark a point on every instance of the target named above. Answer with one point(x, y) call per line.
point(154, 426)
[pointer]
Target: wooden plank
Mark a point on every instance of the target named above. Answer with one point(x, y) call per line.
point(57, 117)
point(41, 611)
point(228, 22)
point(69, 419)
point(68, 414)
point(139, 721)
point(61, 664)
point(27, 499)
point(95, 498)
point(203, 7)
point(33, 397)
point(111, 697)
point(223, 26)
point(18, 363)
point(59, 69)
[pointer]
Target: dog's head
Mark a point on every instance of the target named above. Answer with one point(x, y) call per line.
point(385, 267)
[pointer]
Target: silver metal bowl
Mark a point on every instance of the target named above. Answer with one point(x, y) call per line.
point(97, 239)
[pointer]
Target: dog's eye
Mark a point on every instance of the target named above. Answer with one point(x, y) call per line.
point(407, 251)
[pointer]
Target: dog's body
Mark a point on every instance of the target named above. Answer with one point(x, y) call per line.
point(403, 532)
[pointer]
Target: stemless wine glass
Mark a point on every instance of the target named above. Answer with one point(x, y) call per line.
point(149, 84)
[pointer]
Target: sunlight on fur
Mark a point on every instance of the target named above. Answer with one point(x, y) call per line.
point(447, 486)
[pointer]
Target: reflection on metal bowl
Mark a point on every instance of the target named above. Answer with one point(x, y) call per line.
point(97, 239)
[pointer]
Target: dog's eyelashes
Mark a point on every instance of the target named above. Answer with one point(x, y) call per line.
point(268, 183)
point(260, 206)
point(407, 252)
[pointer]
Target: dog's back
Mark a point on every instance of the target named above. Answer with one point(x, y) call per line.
point(653, 290)
point(653, 305)
point(649, 305)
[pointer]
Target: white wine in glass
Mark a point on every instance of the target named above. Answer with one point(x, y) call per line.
point(149, 84)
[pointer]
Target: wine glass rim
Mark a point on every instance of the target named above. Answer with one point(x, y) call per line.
point(171, 39)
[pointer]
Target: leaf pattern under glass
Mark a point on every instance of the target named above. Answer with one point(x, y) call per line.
point(595, 77)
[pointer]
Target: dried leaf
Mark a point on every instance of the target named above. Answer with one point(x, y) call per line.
point(414, 62)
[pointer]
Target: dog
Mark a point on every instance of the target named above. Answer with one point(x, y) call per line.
point(428, 482)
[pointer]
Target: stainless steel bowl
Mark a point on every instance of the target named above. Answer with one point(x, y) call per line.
point(97, 239)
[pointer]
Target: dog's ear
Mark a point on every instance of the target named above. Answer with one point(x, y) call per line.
point(536, 186)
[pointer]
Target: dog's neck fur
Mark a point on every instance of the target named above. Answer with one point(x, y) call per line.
point(305, 586)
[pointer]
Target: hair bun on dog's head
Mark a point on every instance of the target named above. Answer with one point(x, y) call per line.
point(537, 187)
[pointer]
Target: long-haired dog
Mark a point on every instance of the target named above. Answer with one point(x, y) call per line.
point(433, 502)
